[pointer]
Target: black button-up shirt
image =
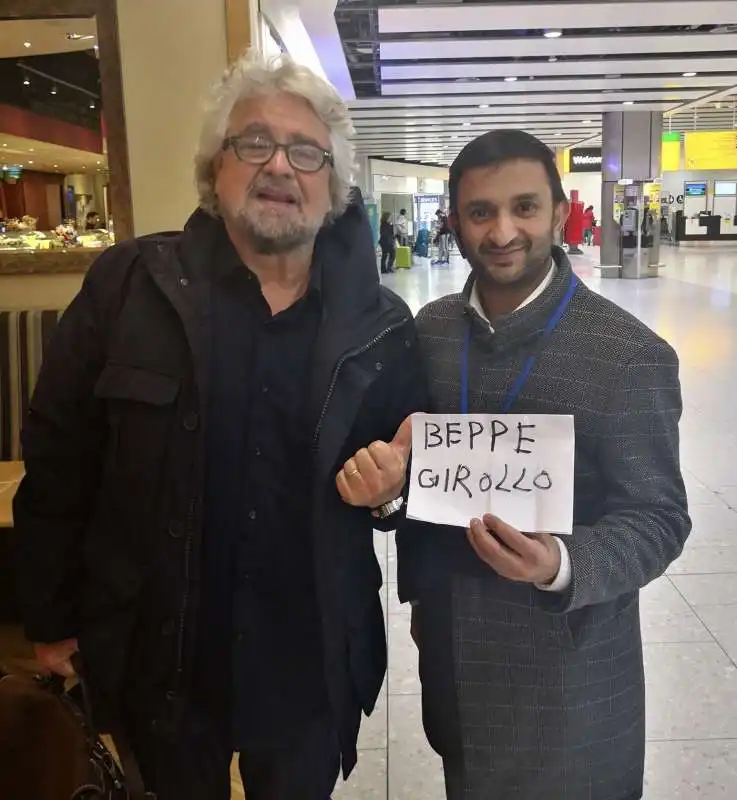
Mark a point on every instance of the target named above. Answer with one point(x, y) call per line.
point(259, 610)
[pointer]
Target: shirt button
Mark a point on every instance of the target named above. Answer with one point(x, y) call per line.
point(252, 515)
point(257, 451)
point(191, 422)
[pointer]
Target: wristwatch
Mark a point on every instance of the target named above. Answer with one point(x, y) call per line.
point(385, 511)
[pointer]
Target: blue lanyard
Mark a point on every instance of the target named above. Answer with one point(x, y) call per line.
point(529, 364)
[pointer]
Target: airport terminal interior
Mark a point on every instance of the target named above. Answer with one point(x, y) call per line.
point(100, 106)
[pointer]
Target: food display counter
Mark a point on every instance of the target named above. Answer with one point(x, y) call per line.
point(24, 252)
point(30, 241)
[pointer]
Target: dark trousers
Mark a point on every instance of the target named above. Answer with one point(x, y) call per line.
point(387, 258)
point(196, 766)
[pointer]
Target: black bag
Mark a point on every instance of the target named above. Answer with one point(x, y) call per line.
point(50, 749)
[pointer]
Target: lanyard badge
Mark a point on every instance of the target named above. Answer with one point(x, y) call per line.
point(529, 364)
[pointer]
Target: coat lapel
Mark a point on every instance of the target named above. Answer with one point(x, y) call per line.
point(189, 292)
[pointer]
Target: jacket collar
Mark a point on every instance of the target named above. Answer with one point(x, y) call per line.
point(519, 327)
point(344, 267)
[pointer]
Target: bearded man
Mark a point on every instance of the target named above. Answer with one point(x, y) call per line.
point(179, 519)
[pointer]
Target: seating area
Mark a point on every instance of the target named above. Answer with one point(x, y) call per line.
point(24, 336)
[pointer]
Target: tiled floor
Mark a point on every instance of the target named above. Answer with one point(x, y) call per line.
point(689, 616)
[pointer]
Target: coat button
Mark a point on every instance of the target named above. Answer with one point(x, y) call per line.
point(191, 422)
point(252, 515)
point(184, 282)
point(379, 366)
point(176, 529)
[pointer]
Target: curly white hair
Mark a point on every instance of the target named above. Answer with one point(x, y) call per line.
point(252, 76)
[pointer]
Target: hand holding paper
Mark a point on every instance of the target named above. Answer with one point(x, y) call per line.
point(514, 555)
point(376, 474)
point(520, 468)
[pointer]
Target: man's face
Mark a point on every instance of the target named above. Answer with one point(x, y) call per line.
point(277, 208)
point(506, 221)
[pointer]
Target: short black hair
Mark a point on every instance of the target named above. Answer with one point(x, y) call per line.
point(500, 147)
point(402, 210)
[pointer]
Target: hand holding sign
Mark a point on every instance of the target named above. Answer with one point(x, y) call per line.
point(517, 467)
point(513, 555)
point(376, 474)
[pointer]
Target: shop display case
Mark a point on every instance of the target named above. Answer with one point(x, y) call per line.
point(25, 251)
point(28, 241)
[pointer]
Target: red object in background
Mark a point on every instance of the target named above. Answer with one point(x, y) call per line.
point(597, 237)
point(574, 226)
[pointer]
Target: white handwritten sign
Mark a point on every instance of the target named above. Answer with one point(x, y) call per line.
point(517, 467)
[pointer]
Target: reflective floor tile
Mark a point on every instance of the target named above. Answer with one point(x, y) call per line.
point(691, 692)
point(700, 770)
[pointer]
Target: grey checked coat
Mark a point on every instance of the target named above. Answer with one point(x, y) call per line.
point(530, 695)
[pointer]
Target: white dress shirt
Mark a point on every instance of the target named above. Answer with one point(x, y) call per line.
point(565, 572)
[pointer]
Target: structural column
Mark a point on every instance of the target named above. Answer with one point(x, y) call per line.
point(362, 179)
point(631, 154)
point(171, 52)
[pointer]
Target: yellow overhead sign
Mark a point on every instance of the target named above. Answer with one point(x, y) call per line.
point(670, 155)
point(711, 150)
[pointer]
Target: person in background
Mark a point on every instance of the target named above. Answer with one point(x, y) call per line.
point(387, 244)
point(179, 522)
point(402, 228)
point(589, 222)
point(92, 221)
point(442, 237)
point(530, 648)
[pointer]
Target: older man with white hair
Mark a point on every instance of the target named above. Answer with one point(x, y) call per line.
point(179, 521)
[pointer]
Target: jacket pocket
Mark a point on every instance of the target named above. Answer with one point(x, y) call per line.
point(108, 612)
point(141, 407)
point(119, 382)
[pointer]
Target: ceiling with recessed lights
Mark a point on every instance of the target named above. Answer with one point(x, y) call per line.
point(429, 76)
point(35, 37)
point(49, 68)
point(31, 154)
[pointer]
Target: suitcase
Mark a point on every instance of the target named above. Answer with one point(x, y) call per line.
point(403, 258)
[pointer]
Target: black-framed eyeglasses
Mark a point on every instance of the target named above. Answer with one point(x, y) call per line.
point(302, 156)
